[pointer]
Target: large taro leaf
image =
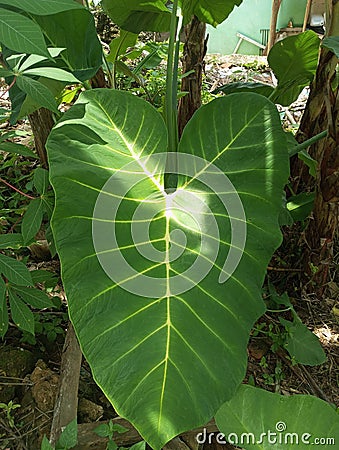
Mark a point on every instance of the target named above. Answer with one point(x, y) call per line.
point(209, 12)
point(294, 62)
point(42, 7)
point(163, 287)
point(139, 15)
point(255, 419)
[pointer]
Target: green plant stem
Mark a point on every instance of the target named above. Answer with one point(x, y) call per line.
point(171, 94)
point(171, 100)
point(110, 74)
point(309, 142)
point(175, 84)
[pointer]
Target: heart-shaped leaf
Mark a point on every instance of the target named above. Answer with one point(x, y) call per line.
point(255, 419)
point(302, 344)
point(209, 12)
point(332, 43)
point(294, 62)
point(239, 86)
point(164, 287)
point(139, 15)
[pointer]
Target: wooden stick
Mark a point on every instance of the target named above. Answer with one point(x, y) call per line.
point(307, 13)
point(273, 25)
point(66, 405)
point(88, 440)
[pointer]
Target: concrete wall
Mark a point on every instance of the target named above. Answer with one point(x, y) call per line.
point(248, 19)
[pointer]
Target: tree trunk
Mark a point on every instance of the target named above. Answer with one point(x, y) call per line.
point(41, 122)
point(194, 53)
point(273, 25)
point(321, 113)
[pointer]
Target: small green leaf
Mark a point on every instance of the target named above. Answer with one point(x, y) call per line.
point(48, 201)
point(14, 61)
point(39, 93)
point(119, 428)
point(67, 96)
point(123, 68)
point(302, 344)
point(255, 419)
point(102, 430)
point(332, 43)
point(294, 62)
point(3, 309)
point(138, 446)
point(119, 45)
point(54, 73)
point(44, 276)
point(22, 316)
point(28, 104)
point(69, 436)
point(5, 73)
point(19, 149)
point(309, 161)
point(21, 34)
point(55, 51)
point(301, 205)
point(43, 7)
point(239, 86)
point(50, 240)
point(31, 222)
point(41, 180)
point(30, 61)
point(15, 271)
point(2, 292)
point(292, 143)
point(36, 298)
point(282, 299)
point(111, 445)
point(45, 445)
point(11, 240)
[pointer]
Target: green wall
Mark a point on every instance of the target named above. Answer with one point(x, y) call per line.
point(248, 19)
